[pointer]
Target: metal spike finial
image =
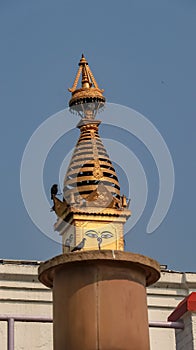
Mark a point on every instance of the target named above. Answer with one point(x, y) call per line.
point(83, 61)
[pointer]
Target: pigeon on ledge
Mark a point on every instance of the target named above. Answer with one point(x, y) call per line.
point(79, 246)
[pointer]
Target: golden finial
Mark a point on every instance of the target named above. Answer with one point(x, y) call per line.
point(87, 99)
point(92, 205)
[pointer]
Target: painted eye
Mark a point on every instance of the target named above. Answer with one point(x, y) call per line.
point(91, 233)
point(106, 234)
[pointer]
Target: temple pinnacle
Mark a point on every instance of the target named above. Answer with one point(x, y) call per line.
point(87, 99)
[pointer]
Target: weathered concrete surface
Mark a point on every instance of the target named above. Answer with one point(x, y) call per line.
point(151, 266)
point(99, 299)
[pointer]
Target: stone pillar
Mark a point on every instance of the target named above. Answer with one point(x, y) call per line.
point(99, 299)
point(185, 311)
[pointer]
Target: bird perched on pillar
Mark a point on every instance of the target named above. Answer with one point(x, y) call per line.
point(54, 190)
point(79, 246)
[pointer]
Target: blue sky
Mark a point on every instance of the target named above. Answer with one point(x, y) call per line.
point(143, 54)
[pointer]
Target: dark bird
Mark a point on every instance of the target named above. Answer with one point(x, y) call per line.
point(54, 190)
point(79, 246)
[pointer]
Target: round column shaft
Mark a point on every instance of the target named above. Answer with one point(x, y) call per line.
point(99, 299)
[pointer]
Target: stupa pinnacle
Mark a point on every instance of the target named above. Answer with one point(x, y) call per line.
point(92, 206)
point(87, 99)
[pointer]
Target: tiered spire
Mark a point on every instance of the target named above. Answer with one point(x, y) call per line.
point(93, 210)
point(89, 168)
